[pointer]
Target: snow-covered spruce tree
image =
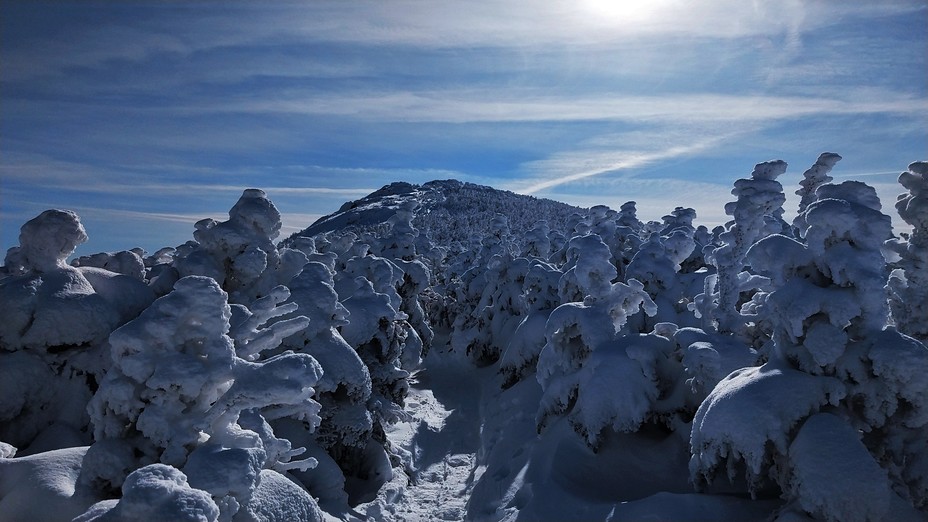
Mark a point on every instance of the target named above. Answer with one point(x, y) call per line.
point(346, 428)
point(628, 216)
point(657, 263)
point(240, 253)
point(56, 319)
point(604, 223)
point(400, 244)
point(908, 285)
point(538, 242)
point(499, 310)
point(568, 286)
point(388, 346)
point(680, 221)
point(485, 295)
point(836, 419)
point(539, 295)
point(760, 202)
point(386, 278)
point(586, 354)
point(155, 492)
point(50, 306)
point(498, 241)
point(181, 393)
point(376, 331)
point(400, 241)
point(656, 266)
point(814, 177)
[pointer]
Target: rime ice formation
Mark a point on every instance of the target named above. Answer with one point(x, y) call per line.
point(240, 253)
point(578, 343)
point(48, 304)
point(760, 203)
point(538, 242)
point(55, 320)
point(655, 265)
point(46, 241)
point(540, 297)
point(178, 394)
point(489, 307)
point(124, 262)
point(628, 216)
point(814, 177)
point(908, 285)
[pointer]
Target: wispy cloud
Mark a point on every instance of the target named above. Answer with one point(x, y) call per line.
point(613, 164)
point(437, 25)
point(41, 170)
point(500, 106)
point(146, 217)
point(502, 22)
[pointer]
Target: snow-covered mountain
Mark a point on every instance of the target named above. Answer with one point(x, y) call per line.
point(448, 211)
point(453, 352)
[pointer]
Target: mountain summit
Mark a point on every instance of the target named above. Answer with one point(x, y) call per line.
point(446, 210)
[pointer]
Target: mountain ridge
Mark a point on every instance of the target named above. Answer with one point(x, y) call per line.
point(448, 210)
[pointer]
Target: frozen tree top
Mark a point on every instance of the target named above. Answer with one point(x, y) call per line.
point(769, 169)
point(256, 213)
point(852, 191)
point(817, 174)
point(758, 196)
point(913, 207)
point(814, 177)
point(46, 241)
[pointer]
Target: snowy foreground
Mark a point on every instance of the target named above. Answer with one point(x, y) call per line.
point(454, 352)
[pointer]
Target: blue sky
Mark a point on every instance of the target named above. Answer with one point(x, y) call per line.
point(144, 117)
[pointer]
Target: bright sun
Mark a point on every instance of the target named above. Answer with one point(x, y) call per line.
point(625, 11)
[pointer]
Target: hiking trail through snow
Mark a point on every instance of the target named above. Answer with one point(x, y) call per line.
point(438, 445)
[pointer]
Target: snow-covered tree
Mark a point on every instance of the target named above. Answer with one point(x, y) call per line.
point(760, 202)
point(538, 242)
point(908, 285)
point(344, 389)
point(540, 298)
point(179, 394)
point(240, 253)
point(583, 356)
point(124, 262)
point(48, 305)
point(56, 319)
point(835, 375)
point(628, 216)
point(814, 177)
point(656, 265)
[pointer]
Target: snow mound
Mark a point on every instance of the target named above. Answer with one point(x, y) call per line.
point(749, 415)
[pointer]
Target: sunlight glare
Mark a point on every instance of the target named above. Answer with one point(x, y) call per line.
point(625, 11)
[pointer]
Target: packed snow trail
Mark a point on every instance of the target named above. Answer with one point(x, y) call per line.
point(438, 443)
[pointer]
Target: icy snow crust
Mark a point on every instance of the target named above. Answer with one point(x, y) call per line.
point(451, 352)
